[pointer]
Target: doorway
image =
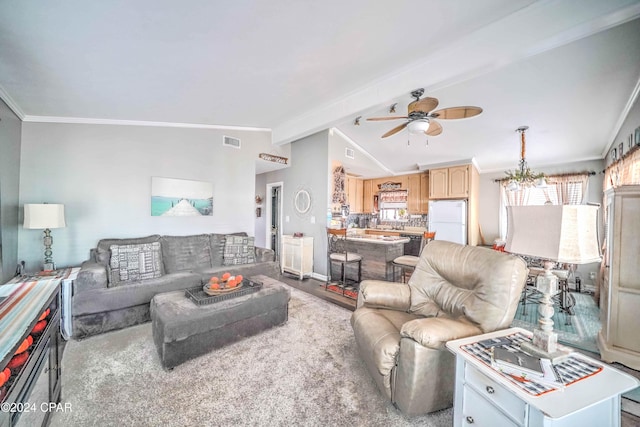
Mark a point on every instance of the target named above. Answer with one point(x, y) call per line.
point(274, 217)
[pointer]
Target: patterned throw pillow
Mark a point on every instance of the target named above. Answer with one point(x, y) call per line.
point(134, 262)
point(239, 250)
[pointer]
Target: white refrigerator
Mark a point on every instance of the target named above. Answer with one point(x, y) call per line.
point(448, 218)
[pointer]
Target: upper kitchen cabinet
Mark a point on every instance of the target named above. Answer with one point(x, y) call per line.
point(424, 192)
point(367, 196)
point(451, 183)
point(418, 193)
point(354, 189)
point(459, 182)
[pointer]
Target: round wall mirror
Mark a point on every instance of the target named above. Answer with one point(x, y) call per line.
point(302, 201)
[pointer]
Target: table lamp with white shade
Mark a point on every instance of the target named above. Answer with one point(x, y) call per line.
point(45, 216)
point(565, 234)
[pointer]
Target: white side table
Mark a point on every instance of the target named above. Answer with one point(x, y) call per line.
point(297, 255)
point(486, 397)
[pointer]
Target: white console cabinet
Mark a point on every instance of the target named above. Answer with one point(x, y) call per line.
point(486, 397)
point(297, 255)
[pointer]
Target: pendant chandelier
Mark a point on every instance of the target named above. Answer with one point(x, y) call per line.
point(524, 176)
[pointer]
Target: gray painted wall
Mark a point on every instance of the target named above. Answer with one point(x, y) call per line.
point(260, 225)
point(102, 174)
point(10, 137)
point(309, 169)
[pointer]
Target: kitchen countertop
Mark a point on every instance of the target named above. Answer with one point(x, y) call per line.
point(378, 240)
point(417, 231)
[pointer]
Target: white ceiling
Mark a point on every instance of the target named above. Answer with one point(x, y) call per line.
point(569, 70)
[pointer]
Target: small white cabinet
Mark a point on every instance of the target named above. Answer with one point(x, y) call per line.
point(297, 255)
point(484, 397)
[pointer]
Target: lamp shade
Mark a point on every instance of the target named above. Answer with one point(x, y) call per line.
point(43, 216)
point(565, 234)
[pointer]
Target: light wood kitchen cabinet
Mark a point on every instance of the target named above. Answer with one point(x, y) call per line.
point(439, 183)
point(620, 287)
point(418, 193)
point(424, 193)
point(367, 196)
point(450, 183)
point(354, 194)
point(459, 181)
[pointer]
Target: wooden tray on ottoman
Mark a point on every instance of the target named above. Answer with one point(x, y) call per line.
point(200, 297)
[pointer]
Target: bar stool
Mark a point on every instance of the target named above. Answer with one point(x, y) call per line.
point(409, 262)
point(337, 252)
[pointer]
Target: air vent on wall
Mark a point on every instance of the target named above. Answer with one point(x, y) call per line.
point(349, 153)
point(231, 142)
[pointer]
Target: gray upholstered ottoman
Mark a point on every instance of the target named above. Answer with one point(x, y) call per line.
point(183, 330)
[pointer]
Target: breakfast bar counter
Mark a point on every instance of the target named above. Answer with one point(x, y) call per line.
point(377, 252)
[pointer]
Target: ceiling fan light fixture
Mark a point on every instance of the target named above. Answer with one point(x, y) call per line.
point(417, 127)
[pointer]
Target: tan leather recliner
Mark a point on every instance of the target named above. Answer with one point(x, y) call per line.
point(455, 291)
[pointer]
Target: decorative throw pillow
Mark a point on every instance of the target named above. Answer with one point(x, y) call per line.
point(134, 262)
point(239, 250)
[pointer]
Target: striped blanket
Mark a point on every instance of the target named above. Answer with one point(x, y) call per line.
point(23, 302)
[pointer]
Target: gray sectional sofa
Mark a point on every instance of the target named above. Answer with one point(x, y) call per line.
point(115, 286)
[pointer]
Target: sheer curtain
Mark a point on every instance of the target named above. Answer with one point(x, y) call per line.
point(568, 189)
point(625, 171)
point(510, 198)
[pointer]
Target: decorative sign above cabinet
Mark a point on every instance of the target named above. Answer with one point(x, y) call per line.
point(390, 186)
point(273, 158)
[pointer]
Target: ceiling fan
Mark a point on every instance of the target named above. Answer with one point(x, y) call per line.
point(421, 118)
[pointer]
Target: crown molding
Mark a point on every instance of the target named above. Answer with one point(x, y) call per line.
point(90, 121)
point(11, 103)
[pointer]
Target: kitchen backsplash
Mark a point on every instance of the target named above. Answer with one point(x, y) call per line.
point(370, 220)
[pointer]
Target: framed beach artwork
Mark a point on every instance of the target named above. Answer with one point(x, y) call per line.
point(181, 197)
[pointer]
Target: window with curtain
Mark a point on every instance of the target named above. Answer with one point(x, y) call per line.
point(567, 189)
point(625, 171)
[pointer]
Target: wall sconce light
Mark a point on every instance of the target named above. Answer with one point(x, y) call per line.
point(258, 199)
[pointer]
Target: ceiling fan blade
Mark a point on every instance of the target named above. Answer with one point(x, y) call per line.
point(424, 105)
point(387, 118)
point(435, 128)
point(457, 112)
point(395, 130)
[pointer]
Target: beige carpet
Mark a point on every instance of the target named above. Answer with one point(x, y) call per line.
point(304, 373)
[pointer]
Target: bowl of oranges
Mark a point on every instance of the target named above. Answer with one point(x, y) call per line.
point(223, 284)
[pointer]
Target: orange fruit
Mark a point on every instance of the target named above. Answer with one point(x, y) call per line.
point(214, 279)
point(239, 278)
point(226, 276)
point(214, 286)
point(231, 284)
